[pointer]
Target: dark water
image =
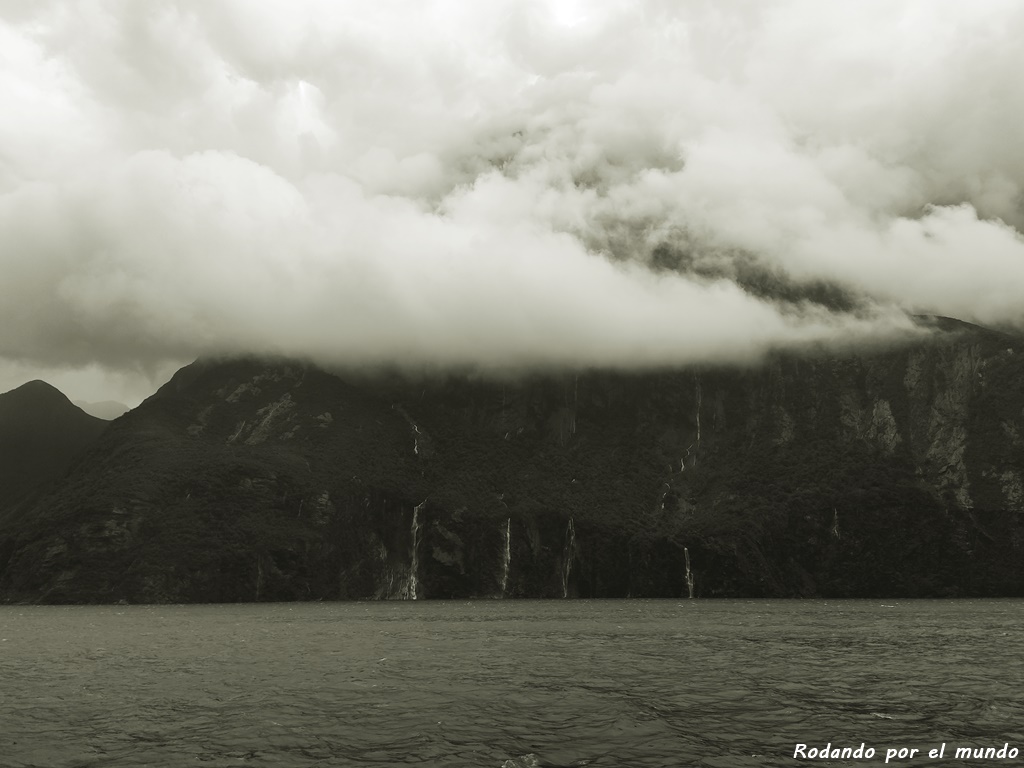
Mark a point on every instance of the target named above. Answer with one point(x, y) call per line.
point(506, 683)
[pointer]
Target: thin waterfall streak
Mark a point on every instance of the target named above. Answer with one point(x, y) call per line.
point(414, 567)
point(508, 557)
point(689, 573)
point(570, 553)
point(699, 396)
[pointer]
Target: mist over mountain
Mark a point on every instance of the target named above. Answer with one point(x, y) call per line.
point(888, 472)
point(534, 185)
point(108, 410)
point(525, 298)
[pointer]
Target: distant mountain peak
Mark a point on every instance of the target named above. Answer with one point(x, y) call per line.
point(36, 386)
point(34, 394)
point(108, 410)
point(41, 434)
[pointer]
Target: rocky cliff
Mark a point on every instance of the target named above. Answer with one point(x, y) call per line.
point(893, 472)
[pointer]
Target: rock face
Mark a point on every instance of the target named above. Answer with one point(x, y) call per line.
point(894, 473)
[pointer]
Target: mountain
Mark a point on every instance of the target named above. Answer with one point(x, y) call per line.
point(41, 434)
point(887, 472)
point(108, 410)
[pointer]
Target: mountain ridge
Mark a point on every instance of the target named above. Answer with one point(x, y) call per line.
point(41, 434)
point(895, 472)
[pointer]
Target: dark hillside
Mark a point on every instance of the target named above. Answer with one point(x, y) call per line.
point(897, 472)
point(41, 434)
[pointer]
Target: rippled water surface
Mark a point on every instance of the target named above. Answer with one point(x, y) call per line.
point(505, 683)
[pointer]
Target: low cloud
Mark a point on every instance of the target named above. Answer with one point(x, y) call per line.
point(441, 184)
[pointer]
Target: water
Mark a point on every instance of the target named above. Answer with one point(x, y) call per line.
point(514, 683)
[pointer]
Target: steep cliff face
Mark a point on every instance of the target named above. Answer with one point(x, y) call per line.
point(891, 473)
point(885, 474)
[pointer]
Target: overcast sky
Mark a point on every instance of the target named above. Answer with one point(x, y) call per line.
point(483, 183)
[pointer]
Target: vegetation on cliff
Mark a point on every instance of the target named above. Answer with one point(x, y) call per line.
point(894, 472)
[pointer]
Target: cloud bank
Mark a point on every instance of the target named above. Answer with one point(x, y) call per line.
point(490, 185)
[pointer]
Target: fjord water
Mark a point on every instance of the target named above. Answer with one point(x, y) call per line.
point(505, 683)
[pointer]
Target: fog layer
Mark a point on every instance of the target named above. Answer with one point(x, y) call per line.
point(490, 185)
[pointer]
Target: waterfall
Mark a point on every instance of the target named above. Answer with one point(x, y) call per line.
point(689, 573)
point(508, 556)
point(699, 397)
point(570, 553)
point(414, 568)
